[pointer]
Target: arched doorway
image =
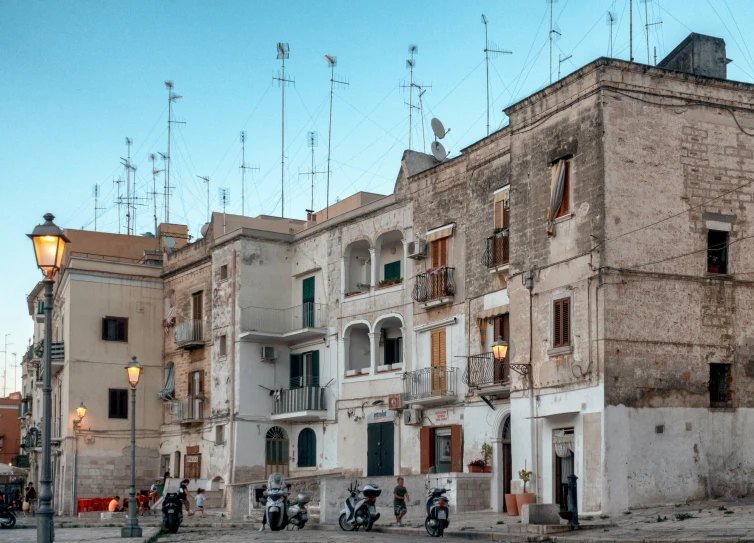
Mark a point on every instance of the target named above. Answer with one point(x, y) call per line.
point(307, 448)
point(505, 443)
point(276, 452)
point(502, 464)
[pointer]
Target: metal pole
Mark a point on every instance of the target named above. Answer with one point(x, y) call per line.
point(487, 62)
point(329, 141)
point(631, 30)
point(45, 528)
point(131, 527)
point(282, 146)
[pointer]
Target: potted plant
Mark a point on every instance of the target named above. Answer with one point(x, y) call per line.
point(525, 497)
point(487, 456)
point(477, 466)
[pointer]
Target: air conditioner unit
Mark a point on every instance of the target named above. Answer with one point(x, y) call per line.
point(412, 417)
point(417, 249)
point(269, 354)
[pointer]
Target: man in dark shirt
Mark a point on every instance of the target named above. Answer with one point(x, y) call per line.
point(183, 495)
point(31, 497)
point(400, 497)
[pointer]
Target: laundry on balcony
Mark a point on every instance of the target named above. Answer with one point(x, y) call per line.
point(168, 390)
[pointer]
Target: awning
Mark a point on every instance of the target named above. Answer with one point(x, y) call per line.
point(567, 414)
point(493, 312)
point(442, 232)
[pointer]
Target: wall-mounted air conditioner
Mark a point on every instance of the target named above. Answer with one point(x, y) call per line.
point(417, 249)
point(412, 417)
point(269, 353)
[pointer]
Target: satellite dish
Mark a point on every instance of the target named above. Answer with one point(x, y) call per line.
point(438, 151)
point(169, 244)
point(438, 128)
point(205, 228)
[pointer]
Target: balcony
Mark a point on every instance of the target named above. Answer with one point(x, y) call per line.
point(40, 314)
point(57, 355)
point(190, 334)
point(482, 370)
point(296, 324)
point(187, 410)
point(24, 409)
point(496, 254)
point(430, 386)
point(304, 404)
point(435, 287)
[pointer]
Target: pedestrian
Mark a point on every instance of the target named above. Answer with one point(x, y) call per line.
point(114, 505)
point(153, 494)
point(31, 499)
point(200, 501)
point(400, 496)
point(183, 495)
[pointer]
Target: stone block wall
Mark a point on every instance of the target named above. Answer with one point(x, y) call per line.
point(105, 475)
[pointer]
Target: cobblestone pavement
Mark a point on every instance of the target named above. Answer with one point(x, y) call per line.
point(83, 535)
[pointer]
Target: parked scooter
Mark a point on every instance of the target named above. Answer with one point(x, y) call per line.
point(276, 505)
point(360, 511)
point(297, 513)
point(7, 516)
point(172, 512)
point(438, 514)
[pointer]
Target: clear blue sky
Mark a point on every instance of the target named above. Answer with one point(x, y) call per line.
point(77, 78)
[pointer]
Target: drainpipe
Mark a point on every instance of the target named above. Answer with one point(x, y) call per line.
point(529, 285)
point(231, 462)
point(75, 474)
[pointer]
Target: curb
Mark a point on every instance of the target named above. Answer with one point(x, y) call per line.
point(468, 535)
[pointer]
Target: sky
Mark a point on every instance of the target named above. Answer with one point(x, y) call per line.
point(78, 78)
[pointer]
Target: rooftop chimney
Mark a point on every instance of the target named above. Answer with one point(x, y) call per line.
point(699, 55)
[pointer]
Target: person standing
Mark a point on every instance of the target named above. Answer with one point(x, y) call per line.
point(200, 501)
point(31, 498)
point(183, 495)
point(400, 497)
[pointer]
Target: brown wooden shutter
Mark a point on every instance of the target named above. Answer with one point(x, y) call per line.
point(425, 448)
point(456, 448)
point(566, 317)
point(499, 214)
point(498, 328)
point(434, 348)
point(439, 250)
point(192, 449)
point(557, 323)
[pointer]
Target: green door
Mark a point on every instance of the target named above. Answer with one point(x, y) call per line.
point(297, 371)
point(307, 302)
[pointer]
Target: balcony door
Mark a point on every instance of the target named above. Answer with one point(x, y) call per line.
point(197, 306)
point(439, 362)
point(307, 302)
point(304, 370)
point(438, 280)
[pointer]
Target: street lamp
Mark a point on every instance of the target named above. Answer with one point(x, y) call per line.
point(131, 526)
point(499, 349)
point(81, 413)
point(49, 246)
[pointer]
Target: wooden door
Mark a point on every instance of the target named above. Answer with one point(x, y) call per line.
point(197, 310)
point(380, 445)
point(438, 360)
point(438, 280)
point(192, 466)
point(276, 452)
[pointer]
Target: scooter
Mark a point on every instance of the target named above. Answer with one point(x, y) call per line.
point(297, 513)
point(172, 512)
point(437, 512)
point(7, 516)
point(360, 512)
point(276, 506)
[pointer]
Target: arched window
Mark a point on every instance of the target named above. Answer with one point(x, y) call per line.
point(276, 451)
point(506, 434)
point(307, 448)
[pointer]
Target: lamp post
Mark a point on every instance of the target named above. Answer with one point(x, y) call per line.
point(499, 349)
point(49, 245)
point(131, 527)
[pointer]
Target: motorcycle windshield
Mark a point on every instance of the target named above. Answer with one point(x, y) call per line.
point(276, 482)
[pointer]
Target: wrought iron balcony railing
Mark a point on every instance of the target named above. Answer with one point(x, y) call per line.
point(190, 332)
point(190, 409)
point(427, 383)
point(484, 370)
point(434, 285)
point(57, 351)
point(282, 321)
point(496, 253)
point(293, 400)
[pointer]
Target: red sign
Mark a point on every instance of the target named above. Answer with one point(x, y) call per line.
point(441, 416)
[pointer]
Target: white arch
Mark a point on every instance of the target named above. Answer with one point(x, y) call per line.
point(382, 234)
point(388, 316)
point(350, 244)
point(351, 324)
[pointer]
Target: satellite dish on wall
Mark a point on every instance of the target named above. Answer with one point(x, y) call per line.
point(169, 244)
point(205, 229)
point(438, 151)
point(438, 128)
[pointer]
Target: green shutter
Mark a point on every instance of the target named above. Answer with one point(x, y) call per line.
point(393, 270)
point(307, 448)
point(296, 373)
point(315, 368)
point(308, 290)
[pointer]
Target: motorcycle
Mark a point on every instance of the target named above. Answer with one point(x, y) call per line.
point(7, 516)
point(297, 513)
point(172, 512)
point(437, 512)
point(276, 504)
point(360, 512)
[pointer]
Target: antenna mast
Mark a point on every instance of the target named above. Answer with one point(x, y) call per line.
point(487, 52)
point(127, 164)
point(610, 20)
point(312, 140)
point(561, 61)
point(631, 30)
point(647, 24)
point(171, 98)
point(410, 63)
point(155, 171)
point(95, 193)
point(331, 62)
point(244, 167)
point(552, 31)
point(206, 180)
point(284, 52)
point(120, 202)
point(223, 195)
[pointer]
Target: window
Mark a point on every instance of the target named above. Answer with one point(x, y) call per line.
point(561, 323)
point(304, 370)
point(720, 380)
point(118, 403)
point(219, 434)
point(393, 270)
point(115, 329)
point(196, 383)
point(717, 251)
point(441, 449)
point(502, 205)
point(393, 350)
point(307, 448)
point(565, 203)
point(502, 329)
point(223, 345)
point(197, 299)
point(40, 307)
point(439, 252)
point(223, 272)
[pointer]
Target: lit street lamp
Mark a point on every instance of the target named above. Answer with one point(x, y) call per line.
point(499, 349)
point(49, 246)
point(131, 527)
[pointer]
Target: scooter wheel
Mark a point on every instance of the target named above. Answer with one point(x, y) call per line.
point(344, 525)
point(368, 527)
point(433, 532)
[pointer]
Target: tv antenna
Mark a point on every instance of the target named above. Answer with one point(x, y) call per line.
point(284, 52)
point(96, 193)
point(561, 61)
point(223, 197)
point(119, 201)
point(244, 167)
point(129, 168)
point(166, 186)
point(410, 64)
point(610, 21)
point(172, 97)
point(312, 141)
point(206, 180)
point(438, 150)
point(495, 52)
point(155, 171)
point(647, 24)
point(631, 30)
point(554, 30)
point(331, 62)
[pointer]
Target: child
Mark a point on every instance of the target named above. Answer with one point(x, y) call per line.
point(200, 501)
point(400, 496)
point(183, 495)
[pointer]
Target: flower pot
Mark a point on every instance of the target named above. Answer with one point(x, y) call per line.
point(475, 469)
point(523, 499)
point(510, 505)
point(487, 469)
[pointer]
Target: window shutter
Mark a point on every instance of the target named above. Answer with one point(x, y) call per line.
point(556, 324)
point(425, 448)
point(315, 369)
point(113, 404)
point(506, 210)
point(295, 371)
point(456, 448)
point(308, 290)
point(104, 329)
point(191, 384)
point(439, 252)
point(434, 356)
point(122, 327)
point(566, 318)
point(499, 214)
point(441, 347)
point(498, 328)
